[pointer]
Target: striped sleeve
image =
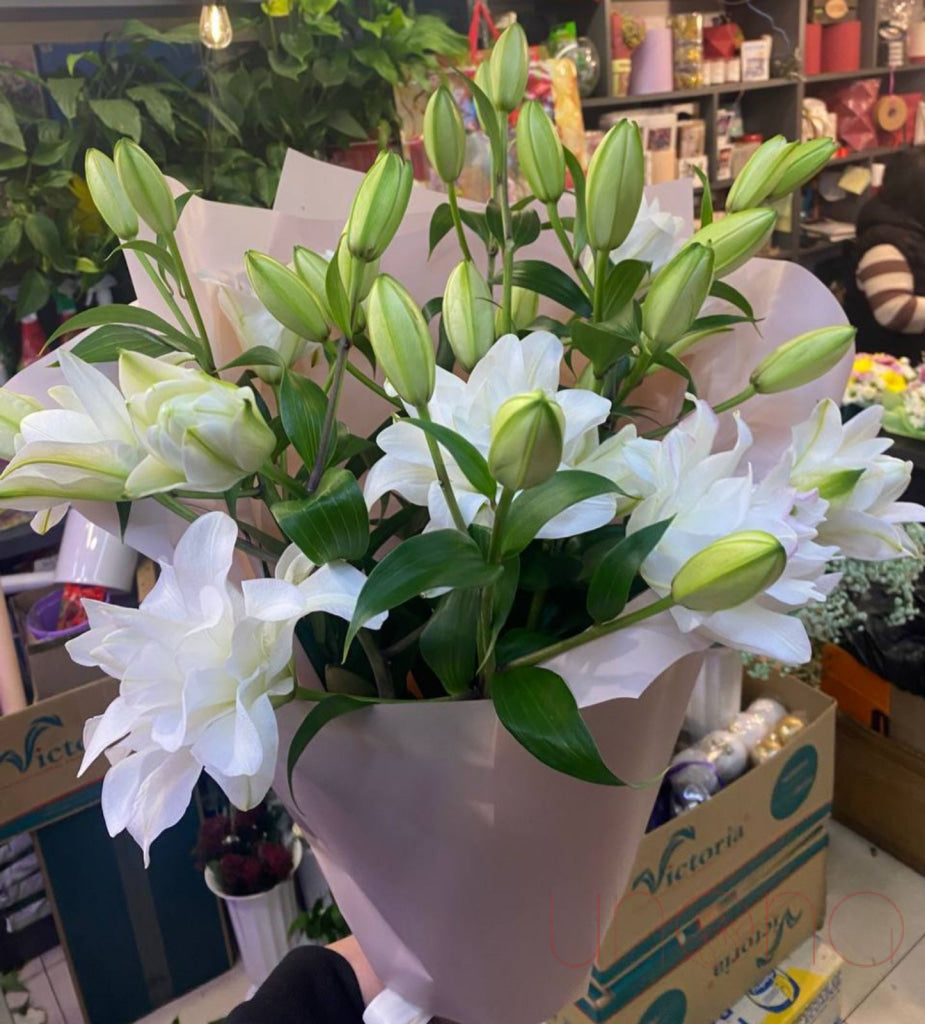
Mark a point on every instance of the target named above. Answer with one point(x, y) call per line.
point(885, 278)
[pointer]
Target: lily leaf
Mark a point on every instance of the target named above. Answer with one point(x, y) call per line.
point(132, 316)
point(538, 710)
point(302, 405)
point(612, 580)
point(329, 524)
point(441, 224)
point(448, 643)
point(105, 344)
point(552, 282)
point(469, 459)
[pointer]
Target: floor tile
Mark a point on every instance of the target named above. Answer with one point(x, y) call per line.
point(900, 997)
point(52, 957)
point(63, 987)
point(875, 913)
point(42, 997)
point(207, 1003)
point(31, 969)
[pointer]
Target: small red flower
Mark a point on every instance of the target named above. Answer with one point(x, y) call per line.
point(277, 860)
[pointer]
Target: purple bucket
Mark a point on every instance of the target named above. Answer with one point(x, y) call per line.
point(42, 619)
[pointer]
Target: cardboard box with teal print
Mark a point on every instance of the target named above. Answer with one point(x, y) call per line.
point(750, 858)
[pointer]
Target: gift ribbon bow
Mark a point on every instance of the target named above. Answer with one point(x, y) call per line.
point(480, 12)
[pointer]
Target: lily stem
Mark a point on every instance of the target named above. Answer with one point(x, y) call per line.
point(593, 633)
point(164, 290)
point(486, 610)
point(330, 415)
point(186, 290)
point(442, 475)
point(368, 382)
point(507, 269)
point(559, 228)
point(282, 478)
point(601, 268)
point(457, 222)
point(191, 515)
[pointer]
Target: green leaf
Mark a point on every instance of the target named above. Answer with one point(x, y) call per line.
point(525, 228)
point(259, 355)
point(157, 104)
point(344, 122)
point(441, 223)
point(476, 222)
point(302, 405)
point(601, 344)
point(503, 595)
point(336, 294)
point(443, 558)
point(613, 579)
point(623, 282)
point(332, 523)
point(532, 509)
point(723, 290)
point(152, 250)
point(448, 643)
point(326, 710)
point(120, 116)
point(67, 93)
point(10, 135)
point(124, 508)
point(47, 153)
point(580, 234)
point(552, 282)
point(706, 200)
point(674, 364)
point(91, 56)
point(43, 234)
point(717, 322)
point(490, 121)
point(469, 459)
point(133, 316)
point(538, 710)
point(10, 237)
point(34, 292)
point(377, 58)
point(105, 344)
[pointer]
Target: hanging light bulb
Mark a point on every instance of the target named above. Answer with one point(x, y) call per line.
point(215, 30)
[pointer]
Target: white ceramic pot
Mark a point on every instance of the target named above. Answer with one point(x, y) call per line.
point(261, 922)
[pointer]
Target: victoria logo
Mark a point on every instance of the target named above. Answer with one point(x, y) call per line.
point(788, 920)
point(672, 869)
point(22, 762)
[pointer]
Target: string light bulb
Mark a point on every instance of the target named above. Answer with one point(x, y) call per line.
point(215, 29)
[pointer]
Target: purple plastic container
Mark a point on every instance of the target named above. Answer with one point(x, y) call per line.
point(42, 619)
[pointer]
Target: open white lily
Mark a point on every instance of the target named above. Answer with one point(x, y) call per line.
point(847, 464)
point(85, 449)
point(511, 367)
point(200, 665)
point(13, 409)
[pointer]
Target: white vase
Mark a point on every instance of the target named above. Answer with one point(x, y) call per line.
point(261, 922)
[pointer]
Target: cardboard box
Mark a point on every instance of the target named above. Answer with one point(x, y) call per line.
point(750, 860)
point(48, 665)
point(804, 989)
point(40, 752)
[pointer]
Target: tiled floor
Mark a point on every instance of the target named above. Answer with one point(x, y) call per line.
point(875, 918)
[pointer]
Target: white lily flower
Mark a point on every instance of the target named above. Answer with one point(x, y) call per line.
point(711, 495)
point(199, 664)
point(86, 449)
point(864, 519)
point(654, 238)
point(510, 367)
point(198, 432)
point(13, 409)
point(254, 325)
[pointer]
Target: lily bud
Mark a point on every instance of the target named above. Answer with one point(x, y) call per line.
point(508, 67)
point(802, 359)
point(286, 296)
point(146, 187)
point(444, 136)
point(801, 165)
point(379, 206)
point(539, 153)
point(525, 304)
point(13, 409)
point(754, 182)
point(401, 341)
point(312, 267)
point(615, 181)
point(468, 314)
point(736, 238)
point(349, 266)
point(729, 572)
point(527, 435)
point(679, 290)
point(109, 196)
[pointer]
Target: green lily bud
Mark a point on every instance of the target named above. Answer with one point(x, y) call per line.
point(286, 296)
point(802, 359)
point(312, 267)
point(379, 206)
point(508, 66)
point(526, 440)
point(674, 299)
point(525, 304)
point(802, 164)
point(539, 153)
point(146, 187)
point(729, 572)
point(468, 314)
point(109, 196)
point(615, 181)
point(736, 237)
point(754, 182)
point(349, 267)
point(444, 136)
point(401, 341)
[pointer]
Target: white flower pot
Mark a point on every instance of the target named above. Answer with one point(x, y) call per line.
point(261, 922)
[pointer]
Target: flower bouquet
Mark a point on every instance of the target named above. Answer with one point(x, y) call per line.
point(502, 595)
point(880, 379)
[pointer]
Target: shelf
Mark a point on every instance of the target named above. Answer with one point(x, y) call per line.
point(840, 76)
point(604, 103)
point(868, 154)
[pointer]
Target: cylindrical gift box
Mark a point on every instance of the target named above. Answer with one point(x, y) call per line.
point(653, 68)
point(915, 43)
point(841, 47)
point(812, 51)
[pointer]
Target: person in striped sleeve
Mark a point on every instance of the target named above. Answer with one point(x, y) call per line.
point(886, 298)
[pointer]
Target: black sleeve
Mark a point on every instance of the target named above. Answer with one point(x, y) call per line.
point(312, 985)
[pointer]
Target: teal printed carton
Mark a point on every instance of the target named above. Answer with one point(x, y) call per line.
point(752, 858)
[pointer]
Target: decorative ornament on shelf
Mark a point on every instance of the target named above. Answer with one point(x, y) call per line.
point(215, 31)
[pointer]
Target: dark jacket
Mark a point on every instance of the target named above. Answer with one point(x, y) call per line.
point(882, 224)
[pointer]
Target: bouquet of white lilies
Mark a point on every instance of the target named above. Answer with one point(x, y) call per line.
point(552, 517)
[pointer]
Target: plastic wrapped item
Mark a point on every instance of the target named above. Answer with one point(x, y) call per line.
point(788, 727)
point(717, 693)
point(699, 772)
point(757, 720)
point(687, 35)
